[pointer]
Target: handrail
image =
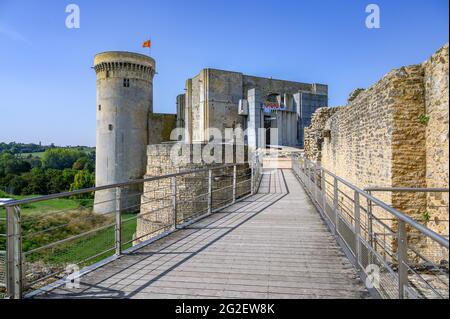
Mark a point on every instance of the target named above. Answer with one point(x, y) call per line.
point(109, 186)
point(401, 216)
point(397, 255)
point(406, 189)
point(16, 255)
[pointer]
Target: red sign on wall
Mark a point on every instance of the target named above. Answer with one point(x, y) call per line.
point(272, 106)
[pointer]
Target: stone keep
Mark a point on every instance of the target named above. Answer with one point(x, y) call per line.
point(213, 97)
point(124, 103)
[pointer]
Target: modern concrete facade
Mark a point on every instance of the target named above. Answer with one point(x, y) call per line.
point(224, 99)
point(124, 103)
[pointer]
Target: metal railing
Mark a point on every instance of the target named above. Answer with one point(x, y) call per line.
point(41, 239)
point(418, 203)
point(394, 265)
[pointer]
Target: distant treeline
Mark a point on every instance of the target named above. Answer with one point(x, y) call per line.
point(20, 148)
point(16, 148)
point(56, 170)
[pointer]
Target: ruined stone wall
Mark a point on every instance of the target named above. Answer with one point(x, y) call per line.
point(437, 137)
point(315, 133)
point(378, 140)
point(160, 126)
point(363, 139)
point(393, 134)
point(156, 212)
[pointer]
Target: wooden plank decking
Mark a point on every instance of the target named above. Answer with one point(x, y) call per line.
point(271, 245)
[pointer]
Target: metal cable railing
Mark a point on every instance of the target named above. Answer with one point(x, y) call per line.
point(399, 256)
point(37, 247)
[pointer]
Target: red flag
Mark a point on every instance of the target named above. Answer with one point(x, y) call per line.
point(146, 44)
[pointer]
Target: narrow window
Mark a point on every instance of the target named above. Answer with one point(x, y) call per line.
point(110, 127)
point(99, 107)
point(126, 83)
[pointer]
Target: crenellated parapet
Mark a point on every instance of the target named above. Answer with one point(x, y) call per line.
point(124, 64)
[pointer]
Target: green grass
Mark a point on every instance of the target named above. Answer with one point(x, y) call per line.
point(88, 246)
point(50, 221)
point(47, 206)
point(87, 150)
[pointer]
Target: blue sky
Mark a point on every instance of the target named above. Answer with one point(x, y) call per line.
point(47, 88)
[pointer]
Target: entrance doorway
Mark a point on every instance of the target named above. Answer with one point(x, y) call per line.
point(269, 122)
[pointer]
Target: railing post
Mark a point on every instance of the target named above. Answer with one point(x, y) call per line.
point(173, 184)
point(402, 258)
point(324, 192)
point(252, 179)
point(308, 177)
point(370, 221)
point(209, 191)
point(14, 248)
point(316, 183)
point(336, 204)
point(357, 213)
point(118, 228)
point(234, 183)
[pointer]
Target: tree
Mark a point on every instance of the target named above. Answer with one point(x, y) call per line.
point(11, 164)
point(36, 182)
point(35, 162)
point(84, 162)
point(60, 158)
point(56, 182)
point(83, 179)
point(16, 185)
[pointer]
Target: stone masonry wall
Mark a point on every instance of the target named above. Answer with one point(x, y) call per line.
point(371, 142)
point(393, 134)
point(436, 80)
point(315, 133)
point(156, 214)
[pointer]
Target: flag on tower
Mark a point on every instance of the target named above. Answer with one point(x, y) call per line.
point(146, 44)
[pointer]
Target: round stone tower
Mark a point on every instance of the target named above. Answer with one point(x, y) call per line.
point(124, 101)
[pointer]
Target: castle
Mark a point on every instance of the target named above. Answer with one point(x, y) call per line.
point(393, 134)
point(214, 99)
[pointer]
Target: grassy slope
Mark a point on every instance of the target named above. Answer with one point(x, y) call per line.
point(41, 207)
point(91, 245)
point(74, 250)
